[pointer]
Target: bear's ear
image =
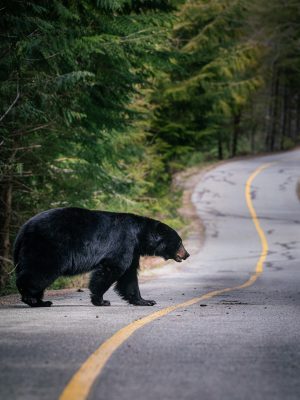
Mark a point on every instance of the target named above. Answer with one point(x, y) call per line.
point(157, 232)
point(160, 229)
point(156, 237)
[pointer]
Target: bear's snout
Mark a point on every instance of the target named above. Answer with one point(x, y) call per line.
point(181, 254)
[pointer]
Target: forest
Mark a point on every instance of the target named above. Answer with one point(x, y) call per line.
point(101, 102)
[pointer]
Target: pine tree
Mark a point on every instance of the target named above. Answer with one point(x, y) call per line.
point(69, 71)
point(212, 81)
point(278, 31)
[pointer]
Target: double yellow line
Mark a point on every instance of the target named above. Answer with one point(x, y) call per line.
point(81, 383)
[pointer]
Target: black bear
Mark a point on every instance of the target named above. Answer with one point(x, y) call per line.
point(70, 241)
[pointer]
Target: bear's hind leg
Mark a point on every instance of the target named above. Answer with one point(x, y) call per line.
point(127, 287)
point(35, 300)
point(31, 294)
point(101, 280)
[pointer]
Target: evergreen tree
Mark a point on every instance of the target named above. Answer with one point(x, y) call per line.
point(69, 71)
point(278, 31)
point(199, 108)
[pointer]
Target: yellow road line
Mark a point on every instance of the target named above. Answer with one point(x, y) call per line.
point(81, 383)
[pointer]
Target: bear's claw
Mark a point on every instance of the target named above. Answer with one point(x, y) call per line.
point(143, 302)
point(33, 302)
point(46, 304)
point(99, 302)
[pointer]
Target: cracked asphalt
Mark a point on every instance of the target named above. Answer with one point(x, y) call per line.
point(243, 344)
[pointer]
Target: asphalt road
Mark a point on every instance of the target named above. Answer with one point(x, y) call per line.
point(240, 344)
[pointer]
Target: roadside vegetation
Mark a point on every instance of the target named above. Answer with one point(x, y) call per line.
point(101, 102)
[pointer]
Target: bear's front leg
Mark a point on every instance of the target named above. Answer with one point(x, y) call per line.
point(101, 280)
point(128, 288)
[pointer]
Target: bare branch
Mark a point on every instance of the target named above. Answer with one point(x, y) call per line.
point(9, 261)
point(29, 130)
point(12, 104)
point(34, 146)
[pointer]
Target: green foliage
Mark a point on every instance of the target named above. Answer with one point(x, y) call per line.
point(233, 84)
point(214, 77)
point(278, 31)
point(76, 67)
point(70, 72)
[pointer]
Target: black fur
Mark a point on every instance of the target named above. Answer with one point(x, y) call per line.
point(70, 241)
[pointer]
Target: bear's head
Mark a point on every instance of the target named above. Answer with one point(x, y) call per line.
point(165, 242)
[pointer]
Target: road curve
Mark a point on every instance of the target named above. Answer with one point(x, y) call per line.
point(213, 335)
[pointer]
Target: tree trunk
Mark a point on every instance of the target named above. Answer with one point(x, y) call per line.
point(236, 133)
point(284, 116)
point(275, 113)
point(298, 116)
point(288, 132)
point(253, 128)
point(252, 137)
point(5, 219)
point(220, 147)
point(293, 117)
point(269, 113)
